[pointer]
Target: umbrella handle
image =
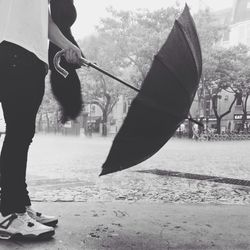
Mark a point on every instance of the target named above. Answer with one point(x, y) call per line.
point(85, 62)
point(60, 69)
point(56, 62)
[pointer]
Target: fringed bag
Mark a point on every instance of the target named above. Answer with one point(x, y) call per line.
point(67, 91)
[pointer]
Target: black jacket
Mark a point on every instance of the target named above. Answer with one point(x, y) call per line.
point(63, 13)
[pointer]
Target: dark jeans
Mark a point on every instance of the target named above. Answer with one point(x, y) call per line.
point(21, 91)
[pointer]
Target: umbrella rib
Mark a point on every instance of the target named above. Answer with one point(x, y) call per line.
point(177, 79)
point(181, 85)
point(189, 45)
point(148, 102)
point(192, 55)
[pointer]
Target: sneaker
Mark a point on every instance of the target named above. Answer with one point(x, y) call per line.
point(41, 218)
point(21, 225)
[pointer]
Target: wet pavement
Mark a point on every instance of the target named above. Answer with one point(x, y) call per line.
point(142, 226)
point(67, 168)
point(137, 208)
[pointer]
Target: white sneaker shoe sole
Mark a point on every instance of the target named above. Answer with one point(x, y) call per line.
point(42, 236)
point(23, 227)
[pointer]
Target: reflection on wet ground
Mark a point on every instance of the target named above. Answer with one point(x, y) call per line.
point(67, 168)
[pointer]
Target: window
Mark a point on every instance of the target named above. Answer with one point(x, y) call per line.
point(93, 108)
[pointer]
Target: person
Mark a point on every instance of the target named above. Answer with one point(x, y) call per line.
point(25, 27)
point(67, 91)
point(195, 129)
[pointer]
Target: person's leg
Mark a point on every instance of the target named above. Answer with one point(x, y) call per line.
point(21, 90)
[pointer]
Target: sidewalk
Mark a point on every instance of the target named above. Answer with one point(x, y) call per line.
point(143, 225)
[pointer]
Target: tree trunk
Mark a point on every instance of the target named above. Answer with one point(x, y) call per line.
point(244, 108)
point(57, 122)
point(39, 125)
point(105, 114)
point(218, 126)
point(215, 109)
point(190, 130)
point(48, 124)
point(104, 124)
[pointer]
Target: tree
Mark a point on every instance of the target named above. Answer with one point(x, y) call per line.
point(48, 111)
point(219, 64)
point(137, 36)
point(125, 45)
point(98, 88)
point(210, 30)
point(242, 82)
point(230, 75)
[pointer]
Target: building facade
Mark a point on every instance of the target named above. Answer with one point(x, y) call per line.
point(240, 26)
point(237, 19)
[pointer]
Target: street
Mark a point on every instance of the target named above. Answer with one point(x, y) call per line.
point(67, 168)
point(135, 209)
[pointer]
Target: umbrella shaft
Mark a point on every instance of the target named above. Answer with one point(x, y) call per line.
point(112, 76)
point(85, 62)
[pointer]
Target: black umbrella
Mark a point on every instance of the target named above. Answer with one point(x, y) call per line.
point(164, 100)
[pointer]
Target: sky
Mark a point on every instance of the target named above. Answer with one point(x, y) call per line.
point(90, 12)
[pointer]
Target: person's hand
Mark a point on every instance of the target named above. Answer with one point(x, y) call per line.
point(73, 55)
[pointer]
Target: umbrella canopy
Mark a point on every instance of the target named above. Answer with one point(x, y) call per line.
point(164, 100)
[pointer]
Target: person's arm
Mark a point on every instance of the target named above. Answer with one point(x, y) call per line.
point(72, 52)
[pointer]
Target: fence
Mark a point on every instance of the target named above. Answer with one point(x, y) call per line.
point(223, 137)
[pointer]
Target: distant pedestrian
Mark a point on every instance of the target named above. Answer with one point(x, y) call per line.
point(195, 129)
point(182, 129)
